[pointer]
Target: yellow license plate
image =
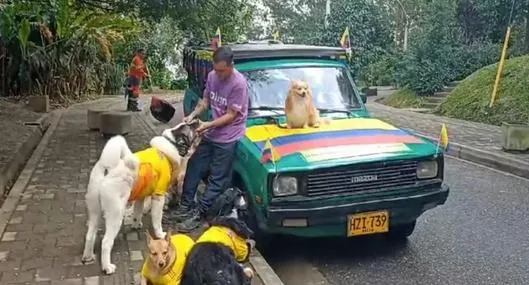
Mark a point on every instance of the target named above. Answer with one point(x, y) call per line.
point(368, 223)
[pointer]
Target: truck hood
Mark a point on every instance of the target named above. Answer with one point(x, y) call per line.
point(345, 141)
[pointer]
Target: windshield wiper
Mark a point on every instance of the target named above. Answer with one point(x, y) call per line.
point(266, 108)
point(330, 110)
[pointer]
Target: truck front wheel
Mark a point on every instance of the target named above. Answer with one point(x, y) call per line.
point(262, 239)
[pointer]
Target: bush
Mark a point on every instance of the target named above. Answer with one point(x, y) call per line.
point(179, 84)
point(161, 78)
point(470, 100)
point(381, 72)
point(404, 98)
point(114, 76)
point(423, 69)
point(464, 59)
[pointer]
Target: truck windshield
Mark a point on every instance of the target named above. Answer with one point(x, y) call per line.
point(331, 87)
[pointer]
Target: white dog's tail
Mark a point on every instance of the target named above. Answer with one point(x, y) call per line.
point(116, 150)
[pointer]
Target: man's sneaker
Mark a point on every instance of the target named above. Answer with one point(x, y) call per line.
point(179, 214)
point(194, 222)
point(133, 109)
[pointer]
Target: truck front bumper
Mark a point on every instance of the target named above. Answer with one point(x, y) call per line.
point(331, 220)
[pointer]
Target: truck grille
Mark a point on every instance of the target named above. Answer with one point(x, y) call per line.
point(373, 177)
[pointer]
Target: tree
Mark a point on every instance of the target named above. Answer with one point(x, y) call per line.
point(299, 21)
point(56, 50)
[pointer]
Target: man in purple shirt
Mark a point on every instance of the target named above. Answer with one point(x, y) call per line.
point(226, 94)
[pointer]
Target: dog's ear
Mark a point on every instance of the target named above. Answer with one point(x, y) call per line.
point(148, 237)
point(245, 230)
point(168, 235)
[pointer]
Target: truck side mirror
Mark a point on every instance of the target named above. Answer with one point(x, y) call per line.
point(363, 96)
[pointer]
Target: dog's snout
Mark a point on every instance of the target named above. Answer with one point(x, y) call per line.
point(161, 264)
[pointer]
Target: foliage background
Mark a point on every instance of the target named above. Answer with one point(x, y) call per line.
point(71, 48)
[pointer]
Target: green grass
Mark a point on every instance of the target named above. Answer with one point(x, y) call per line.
point(404, 98)
point(470, 100)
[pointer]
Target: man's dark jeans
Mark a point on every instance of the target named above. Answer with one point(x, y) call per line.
point(218, 159)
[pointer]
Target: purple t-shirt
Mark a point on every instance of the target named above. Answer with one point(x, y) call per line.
point(223, 94)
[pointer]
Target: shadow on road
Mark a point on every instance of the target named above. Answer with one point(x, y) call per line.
point(352, 249)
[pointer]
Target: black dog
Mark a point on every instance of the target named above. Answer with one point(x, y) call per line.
point(216, 257)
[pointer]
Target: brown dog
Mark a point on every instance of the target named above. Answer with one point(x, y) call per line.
point(299, 108)
point(166, 259)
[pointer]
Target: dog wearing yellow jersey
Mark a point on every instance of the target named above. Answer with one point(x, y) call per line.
point(120, 178)
point(218, 254)
point(166, 259)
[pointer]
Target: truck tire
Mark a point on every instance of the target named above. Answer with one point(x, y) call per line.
point(401, 232)
point(262, 239)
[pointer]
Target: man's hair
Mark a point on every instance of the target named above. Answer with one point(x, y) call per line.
point(223, 54)
point(140, 50)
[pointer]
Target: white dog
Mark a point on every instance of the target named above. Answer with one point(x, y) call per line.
point(121, 177)
point(109, 186)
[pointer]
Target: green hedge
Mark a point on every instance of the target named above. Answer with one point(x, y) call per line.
point(470, 100)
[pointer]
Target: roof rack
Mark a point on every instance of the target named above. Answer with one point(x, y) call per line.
point(251, 50)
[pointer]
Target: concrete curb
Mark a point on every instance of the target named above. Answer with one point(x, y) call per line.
point(486, 158)
point(21, 155)
point(264, 272)
point(14, 195)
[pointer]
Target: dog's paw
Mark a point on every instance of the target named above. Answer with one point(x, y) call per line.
point(88, 259)
point(248, 272)
point(160, 235)
point(251, 242)
point(136, 224)
point(109, 269)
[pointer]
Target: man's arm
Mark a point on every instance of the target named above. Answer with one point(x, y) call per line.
point(225, 119)
point(201, 106)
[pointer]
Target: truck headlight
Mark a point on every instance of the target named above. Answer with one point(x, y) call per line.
point(427, 169)
point(285, 186)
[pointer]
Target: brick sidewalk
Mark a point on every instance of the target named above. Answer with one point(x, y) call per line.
point(44, 239)
point(475, 135)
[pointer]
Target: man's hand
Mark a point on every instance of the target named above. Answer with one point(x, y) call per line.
point(189, 118)
point(203, 128)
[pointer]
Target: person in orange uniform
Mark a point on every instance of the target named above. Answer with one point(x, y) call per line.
point(137, 73)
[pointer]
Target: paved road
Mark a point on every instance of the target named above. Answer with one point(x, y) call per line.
point(479, 237)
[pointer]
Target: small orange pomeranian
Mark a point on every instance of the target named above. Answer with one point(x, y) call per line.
point(299, 108)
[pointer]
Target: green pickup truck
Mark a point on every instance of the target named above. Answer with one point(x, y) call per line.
point(354, 176)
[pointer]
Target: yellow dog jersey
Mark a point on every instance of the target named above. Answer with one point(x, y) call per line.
point(228, 238)
point(183, 244)
point(154, 175)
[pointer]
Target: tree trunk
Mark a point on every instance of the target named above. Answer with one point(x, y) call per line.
point(406, 33)
point(327, 12)
point(526, 44)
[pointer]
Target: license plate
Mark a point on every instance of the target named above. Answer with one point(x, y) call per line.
point(368, 223)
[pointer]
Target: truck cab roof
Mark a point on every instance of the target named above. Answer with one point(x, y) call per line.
point(259, 50)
